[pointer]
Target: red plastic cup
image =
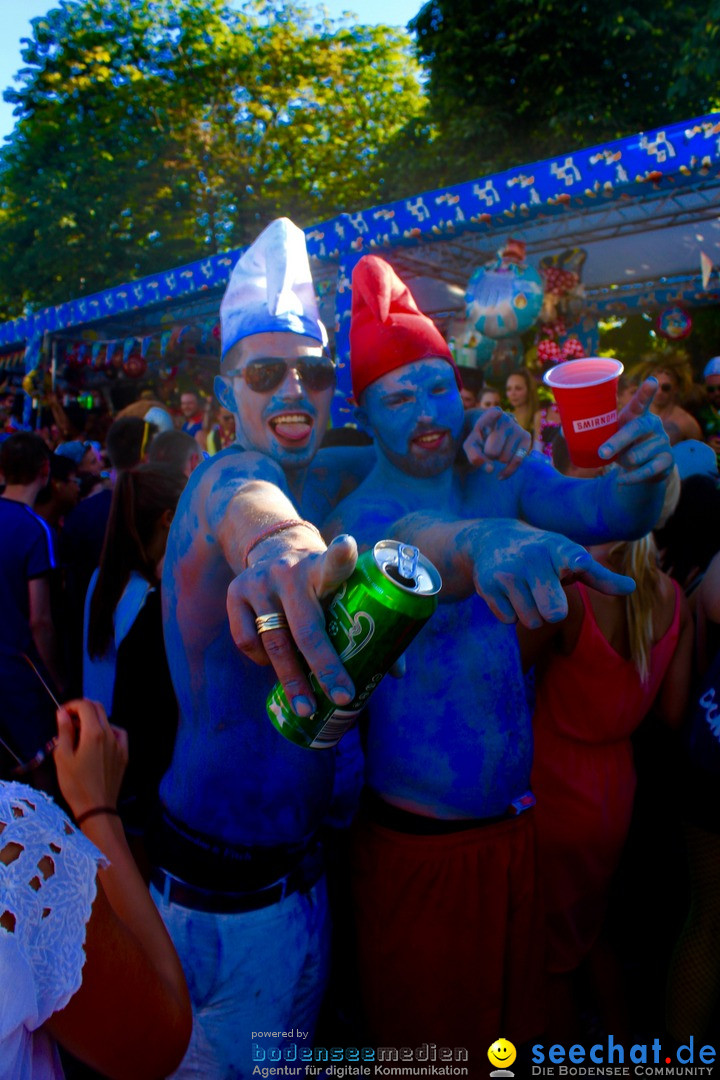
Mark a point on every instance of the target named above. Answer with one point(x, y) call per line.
point(585, 391)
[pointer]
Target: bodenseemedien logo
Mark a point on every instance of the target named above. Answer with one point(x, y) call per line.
point(501, 1054)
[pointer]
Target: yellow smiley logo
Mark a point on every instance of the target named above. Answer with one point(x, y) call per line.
point(502, 1053)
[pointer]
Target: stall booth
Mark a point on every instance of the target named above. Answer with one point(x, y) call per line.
point(553, 247)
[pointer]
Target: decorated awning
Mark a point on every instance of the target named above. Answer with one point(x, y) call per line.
point(644, 209)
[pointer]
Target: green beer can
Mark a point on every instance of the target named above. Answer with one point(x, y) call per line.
point(371, 620)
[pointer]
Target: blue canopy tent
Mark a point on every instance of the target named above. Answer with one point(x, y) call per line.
point(644, 209)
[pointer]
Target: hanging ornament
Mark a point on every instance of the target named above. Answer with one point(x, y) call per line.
point(564, 292)
point(32, 382)
point(504, 297)
point(134, 366)
point(549, 352)
point(75, 357)
point(166, 372)
point(674, 323)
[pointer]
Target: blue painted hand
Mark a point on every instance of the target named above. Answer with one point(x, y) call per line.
point(497, 436)
point(521, 577)
point(640, 446)
point(292, 576)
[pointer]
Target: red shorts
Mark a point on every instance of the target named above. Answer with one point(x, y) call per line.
point(450, 935)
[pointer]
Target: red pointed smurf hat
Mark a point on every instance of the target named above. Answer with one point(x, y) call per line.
point(387, 329)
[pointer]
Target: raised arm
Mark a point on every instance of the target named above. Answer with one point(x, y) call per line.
point(623, 504)
point(131, 1015)
point(283, 567)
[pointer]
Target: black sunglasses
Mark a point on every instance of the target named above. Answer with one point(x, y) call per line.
point(267, 372)
point(666, 386)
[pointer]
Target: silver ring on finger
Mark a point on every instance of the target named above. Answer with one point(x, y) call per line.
point(521, 453)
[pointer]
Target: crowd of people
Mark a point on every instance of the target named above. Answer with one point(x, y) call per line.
point(465, 863)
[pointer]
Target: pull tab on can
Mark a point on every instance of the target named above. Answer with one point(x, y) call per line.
point(408, 561)
point(404, 568)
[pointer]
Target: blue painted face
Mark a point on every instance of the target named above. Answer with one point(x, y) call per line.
point(416, 414)
point(288, 422)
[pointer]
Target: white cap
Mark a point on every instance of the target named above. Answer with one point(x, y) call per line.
point(161, 418)
point(271, 289)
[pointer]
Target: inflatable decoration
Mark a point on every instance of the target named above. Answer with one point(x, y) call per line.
point(504, 297)
point(507, 356)
point(674, 324)
point(483, 349)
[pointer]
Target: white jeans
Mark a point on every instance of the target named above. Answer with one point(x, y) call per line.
point(256, 980)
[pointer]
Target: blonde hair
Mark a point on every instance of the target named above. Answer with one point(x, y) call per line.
point(638, 559)
point(674, 362)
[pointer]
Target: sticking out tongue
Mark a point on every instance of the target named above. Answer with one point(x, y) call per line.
point(292, 427)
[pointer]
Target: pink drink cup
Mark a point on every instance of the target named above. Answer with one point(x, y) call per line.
point(585, 391)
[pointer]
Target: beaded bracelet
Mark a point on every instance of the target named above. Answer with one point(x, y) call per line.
point(272, 530)
point(96, 810)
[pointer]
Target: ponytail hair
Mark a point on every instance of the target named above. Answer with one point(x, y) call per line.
point(638, 559)
point(140, 497)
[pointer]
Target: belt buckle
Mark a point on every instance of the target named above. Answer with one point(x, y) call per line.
point(521, 804)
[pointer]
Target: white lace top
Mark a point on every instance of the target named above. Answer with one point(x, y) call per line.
point(47, 888)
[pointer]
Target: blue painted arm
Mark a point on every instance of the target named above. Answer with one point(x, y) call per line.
point(622, 505)
point(518, 570)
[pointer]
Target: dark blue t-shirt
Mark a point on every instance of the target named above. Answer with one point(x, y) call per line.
point(26, 552)
point(27, 715)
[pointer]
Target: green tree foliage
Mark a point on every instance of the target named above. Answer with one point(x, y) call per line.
point(511, 81)
point(153, 132)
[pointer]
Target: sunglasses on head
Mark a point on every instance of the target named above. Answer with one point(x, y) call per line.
point(267, 372)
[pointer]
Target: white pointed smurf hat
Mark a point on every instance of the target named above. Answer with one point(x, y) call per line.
point(271, 289)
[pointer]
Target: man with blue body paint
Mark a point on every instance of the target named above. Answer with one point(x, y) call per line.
point(449, 915)
point(237, 874)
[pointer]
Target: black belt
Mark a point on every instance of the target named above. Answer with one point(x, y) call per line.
point(175, 891)
point(377, 810)
point(233, 869)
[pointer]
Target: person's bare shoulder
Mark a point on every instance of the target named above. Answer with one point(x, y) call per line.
point(688, 425)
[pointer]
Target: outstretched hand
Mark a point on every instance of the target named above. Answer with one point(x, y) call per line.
point(497, 436)
point(292, 580)
point(640, 446)
point(521, 577)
